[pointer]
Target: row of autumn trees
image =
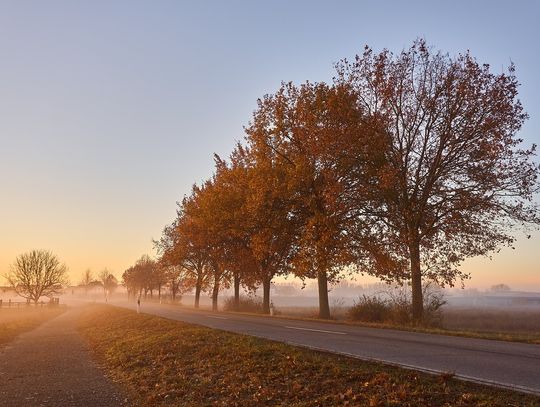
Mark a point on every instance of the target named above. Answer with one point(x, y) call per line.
point(148, 276)
point(402, 167)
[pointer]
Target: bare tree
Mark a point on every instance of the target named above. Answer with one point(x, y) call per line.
point(108, 281)
point(37, 274)
point(86, 280)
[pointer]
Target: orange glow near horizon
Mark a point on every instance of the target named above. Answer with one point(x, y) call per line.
point(517, 268)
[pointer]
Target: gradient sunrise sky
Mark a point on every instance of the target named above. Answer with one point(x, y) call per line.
point(110, 110)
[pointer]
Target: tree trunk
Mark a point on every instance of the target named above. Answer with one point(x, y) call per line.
point(266, 294)
point(236, 291)
point(416, 282)
point(198, 287)
point(174, 289)
point(215, 292)
point(324, 305)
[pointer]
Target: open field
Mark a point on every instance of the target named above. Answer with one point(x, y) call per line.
point(14, 321)
point(164, 362)
point(524, 321)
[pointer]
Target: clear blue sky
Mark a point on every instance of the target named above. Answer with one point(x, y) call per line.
point(110, 110)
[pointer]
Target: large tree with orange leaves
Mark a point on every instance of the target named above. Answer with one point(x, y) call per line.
point(203, 212)
point(232, 188)
point(456, 181)
point(317, 136)
point(184, 243)
point(271, 226)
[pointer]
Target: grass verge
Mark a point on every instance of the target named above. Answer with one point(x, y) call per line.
point(14, 321)
point(164, 362)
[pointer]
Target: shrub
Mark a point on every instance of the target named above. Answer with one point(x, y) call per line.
point(433, 302)
point(370, 309)
point(395, 305)
point(399, 301)
point(247, 304)
point(401, 304)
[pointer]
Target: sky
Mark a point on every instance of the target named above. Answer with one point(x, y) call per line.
point(111, 110)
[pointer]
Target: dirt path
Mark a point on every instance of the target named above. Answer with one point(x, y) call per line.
point(51, 366)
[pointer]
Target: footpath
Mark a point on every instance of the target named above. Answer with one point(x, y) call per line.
point(52, 366)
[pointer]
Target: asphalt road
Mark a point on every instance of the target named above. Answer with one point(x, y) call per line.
point(505, 364)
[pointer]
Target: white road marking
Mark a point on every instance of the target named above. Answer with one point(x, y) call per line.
point(213, 316)
point(316, 330)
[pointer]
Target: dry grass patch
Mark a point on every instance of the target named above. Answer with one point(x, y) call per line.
point(164, 362)
point(511, 321)
point(14, 321)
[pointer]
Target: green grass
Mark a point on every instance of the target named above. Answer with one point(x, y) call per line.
point(14, 321)
point(164, 362)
